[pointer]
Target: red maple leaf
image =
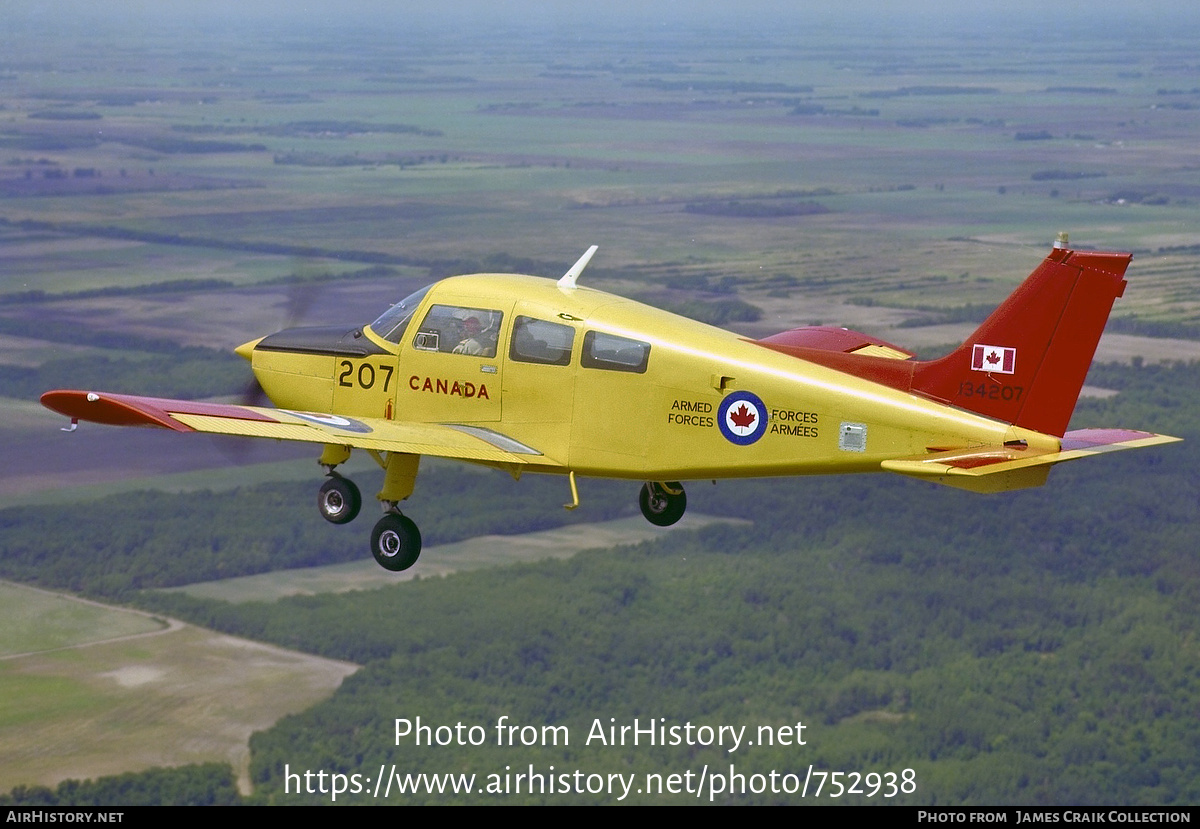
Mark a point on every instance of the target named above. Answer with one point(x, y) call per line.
point(743, 417)
point(993, 358)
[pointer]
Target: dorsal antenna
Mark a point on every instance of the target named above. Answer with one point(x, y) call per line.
point(568, 278)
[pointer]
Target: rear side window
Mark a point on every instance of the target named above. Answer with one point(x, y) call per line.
point(608, 351)
point(538, 341)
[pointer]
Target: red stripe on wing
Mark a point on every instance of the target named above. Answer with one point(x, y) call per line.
point(131, 410)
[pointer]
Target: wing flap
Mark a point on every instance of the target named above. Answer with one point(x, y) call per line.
point(436, 439)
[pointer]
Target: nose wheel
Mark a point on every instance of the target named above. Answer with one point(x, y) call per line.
point(396, 542)
point(663, 503)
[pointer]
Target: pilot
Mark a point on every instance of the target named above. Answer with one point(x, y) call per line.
point(471, 343)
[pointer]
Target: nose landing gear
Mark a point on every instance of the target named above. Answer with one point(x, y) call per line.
point(396, 542)
point(663, 503)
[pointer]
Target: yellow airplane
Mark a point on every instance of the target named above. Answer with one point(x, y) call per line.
point(533, 375)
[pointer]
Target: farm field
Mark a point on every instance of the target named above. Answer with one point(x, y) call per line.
point(222, 168)
point(91, 690)
point(36, 621)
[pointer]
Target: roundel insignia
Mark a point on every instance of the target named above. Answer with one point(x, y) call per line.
point(742, 418)
point(345, 424)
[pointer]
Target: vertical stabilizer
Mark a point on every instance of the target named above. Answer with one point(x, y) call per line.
point(1027, 362)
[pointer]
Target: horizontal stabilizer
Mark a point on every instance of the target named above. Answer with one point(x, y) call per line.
point(831, 338)
point(1016, 466)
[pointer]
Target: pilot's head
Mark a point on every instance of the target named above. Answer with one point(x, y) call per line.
point(471, 326)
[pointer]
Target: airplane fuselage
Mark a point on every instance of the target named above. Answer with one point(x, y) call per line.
point(608, 387)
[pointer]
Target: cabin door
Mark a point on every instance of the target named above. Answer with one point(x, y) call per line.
point(450, 369)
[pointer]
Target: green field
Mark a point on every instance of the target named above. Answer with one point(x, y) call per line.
point(35, 621)
point(90, 690)
point(183, 697)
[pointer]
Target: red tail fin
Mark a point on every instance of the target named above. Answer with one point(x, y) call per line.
point(1026, 363)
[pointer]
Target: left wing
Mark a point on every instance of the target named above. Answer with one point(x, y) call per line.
point(446, 440)
point(1002, 468)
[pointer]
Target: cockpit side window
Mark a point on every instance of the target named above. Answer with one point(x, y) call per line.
point(458, 330)
point(393, 322)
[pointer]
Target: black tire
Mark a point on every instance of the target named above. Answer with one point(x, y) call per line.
point(396, 542)
point(663, 508)
point(339, 500)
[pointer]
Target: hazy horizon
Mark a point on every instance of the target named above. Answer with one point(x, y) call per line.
point(570, 20)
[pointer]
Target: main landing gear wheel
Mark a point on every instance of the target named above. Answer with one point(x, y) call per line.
point(663, 504)
point(339, 500)
point(396, 542)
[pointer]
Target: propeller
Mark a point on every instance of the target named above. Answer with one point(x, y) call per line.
point(298, 299)
point(299, 296)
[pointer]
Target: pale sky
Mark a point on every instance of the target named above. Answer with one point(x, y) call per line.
point(647, 12)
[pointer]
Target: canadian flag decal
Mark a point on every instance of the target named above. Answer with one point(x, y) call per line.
point(994, 359)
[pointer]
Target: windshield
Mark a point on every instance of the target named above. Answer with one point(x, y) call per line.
point(392, 322)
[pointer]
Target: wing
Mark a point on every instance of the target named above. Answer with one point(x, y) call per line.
point(1002, 468)
point(446, 440)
